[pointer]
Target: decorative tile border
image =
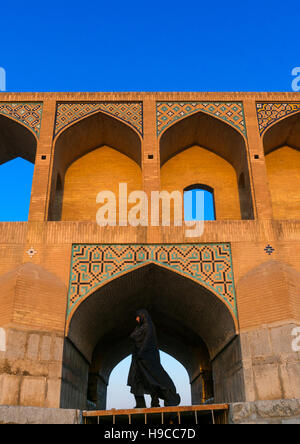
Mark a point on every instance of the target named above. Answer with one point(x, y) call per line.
point(94, 265)
point(268, 113)
point(129, 112)
point(29, 114)
point(169, 112)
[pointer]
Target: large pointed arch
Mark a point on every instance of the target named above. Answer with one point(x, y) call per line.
point(195, 300)
point(94, 265)
point(193, 325)
point(285, 131)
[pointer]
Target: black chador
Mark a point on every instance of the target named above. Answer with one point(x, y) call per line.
point(146, 374)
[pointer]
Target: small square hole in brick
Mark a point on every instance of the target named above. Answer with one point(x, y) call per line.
point(256, 156)
point(44, 157)
point(150, 156)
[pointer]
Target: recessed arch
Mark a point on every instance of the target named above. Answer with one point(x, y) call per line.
point(277, 120)
point(213, 135)
point(102, 111)
point(282, 155)
point(283, 132)
point(85, 136)
point(16, 140)
point(102, 169)
point(193, 325)
point(93, 265)
point(17, 154)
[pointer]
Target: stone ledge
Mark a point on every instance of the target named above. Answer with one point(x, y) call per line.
point(37, 415)
point(281, 411)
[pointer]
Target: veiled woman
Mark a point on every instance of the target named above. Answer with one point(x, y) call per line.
point(146, 374)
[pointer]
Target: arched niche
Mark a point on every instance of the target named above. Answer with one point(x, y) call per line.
point(80, 139)
point(282, 155)
point(17, 153)
point(16, 141)
point(210, 148)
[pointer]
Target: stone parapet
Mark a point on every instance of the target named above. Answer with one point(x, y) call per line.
point(281, 411)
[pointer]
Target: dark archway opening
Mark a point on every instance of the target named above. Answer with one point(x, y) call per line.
point(193, 325)
point(17, 157)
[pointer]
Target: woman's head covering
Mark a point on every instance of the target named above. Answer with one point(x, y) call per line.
point(143, 315)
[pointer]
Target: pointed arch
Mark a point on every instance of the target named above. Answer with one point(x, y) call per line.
point(130, 113)
point(86, 135)
point(193, 325)
point(140, 276)
point(217, 137)
point(282, 155)
point(231, 113)
point(283, 132)
point(18, 146)
point(16, 140)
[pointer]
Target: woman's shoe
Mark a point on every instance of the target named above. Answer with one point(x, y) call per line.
point(154, 402)
point(140, 402)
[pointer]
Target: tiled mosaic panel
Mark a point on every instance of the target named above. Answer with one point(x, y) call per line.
point(93, 265)
point(268, 113)
point(29, 114)
point(168, 112)
point(129, 112)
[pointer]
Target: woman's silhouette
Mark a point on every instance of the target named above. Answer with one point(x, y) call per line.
point(146, 374)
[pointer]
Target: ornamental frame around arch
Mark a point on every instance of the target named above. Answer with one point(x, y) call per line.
point(98, 265)
point(172, 114)
point(27, 114)
point(279, 110)
point(96, 107)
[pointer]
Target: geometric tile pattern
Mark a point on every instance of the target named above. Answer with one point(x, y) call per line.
point(268, 113)
point(29, 114)
point(269, 249)
point(231, 112)
point(209, 264)
point(129, 112)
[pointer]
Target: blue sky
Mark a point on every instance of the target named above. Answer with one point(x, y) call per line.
point(118, 393)
point(160, 45)
point(137, 46)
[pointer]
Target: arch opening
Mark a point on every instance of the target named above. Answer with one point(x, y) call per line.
point(96, 152)
point(282, 155)
point(17, 156)
point(193, 325)
point(203, 149)
point(119, 396)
